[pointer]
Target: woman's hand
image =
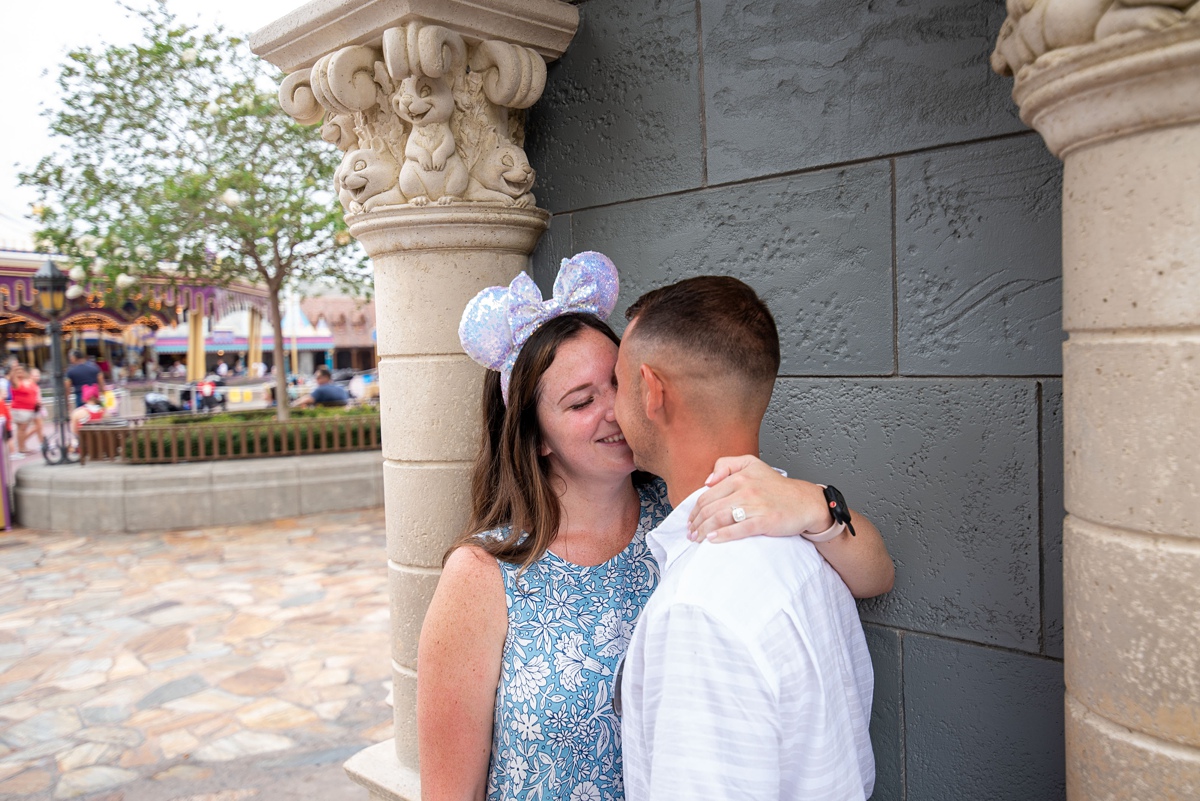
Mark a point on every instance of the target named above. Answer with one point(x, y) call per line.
point(776, 506)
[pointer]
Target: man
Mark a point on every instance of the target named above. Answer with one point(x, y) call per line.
point(84, 373)
point(748, 674)
point(325, 393)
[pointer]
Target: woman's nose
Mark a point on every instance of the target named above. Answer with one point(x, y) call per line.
point(609, 399)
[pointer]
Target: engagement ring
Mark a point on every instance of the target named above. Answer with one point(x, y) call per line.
point(739, 514)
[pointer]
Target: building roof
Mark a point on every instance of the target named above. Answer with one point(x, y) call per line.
point(350, 320)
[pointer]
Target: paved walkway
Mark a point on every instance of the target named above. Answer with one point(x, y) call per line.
point(211, 665)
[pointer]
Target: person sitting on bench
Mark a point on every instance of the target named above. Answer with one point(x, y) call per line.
point(325, 393)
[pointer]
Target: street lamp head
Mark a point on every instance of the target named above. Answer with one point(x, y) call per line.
point(51, 285)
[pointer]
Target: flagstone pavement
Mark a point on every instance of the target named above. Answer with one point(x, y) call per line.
point(213, 665)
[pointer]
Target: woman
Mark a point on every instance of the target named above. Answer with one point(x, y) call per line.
point(26, 400)
point(535, 606)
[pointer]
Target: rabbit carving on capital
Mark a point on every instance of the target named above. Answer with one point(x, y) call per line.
point(1035, 27)
point(502, 175)
point(366, 179)
point(432, 170)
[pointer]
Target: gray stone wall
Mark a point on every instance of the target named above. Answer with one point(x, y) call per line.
point(864, 170)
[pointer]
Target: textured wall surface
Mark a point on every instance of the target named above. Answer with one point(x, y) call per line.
point(865, 171)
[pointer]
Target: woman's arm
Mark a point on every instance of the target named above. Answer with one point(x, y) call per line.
point(458, 669)
point(780, 507)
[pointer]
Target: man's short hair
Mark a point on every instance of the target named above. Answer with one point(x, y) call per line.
point(713, 316)
point(75, 355)
point(323, 371)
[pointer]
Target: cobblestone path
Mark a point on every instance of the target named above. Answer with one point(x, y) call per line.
point(210, 665)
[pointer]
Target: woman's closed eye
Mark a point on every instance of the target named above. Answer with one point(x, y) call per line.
point(581, 404)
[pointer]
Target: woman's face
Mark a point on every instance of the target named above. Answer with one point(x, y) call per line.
point(580, 434)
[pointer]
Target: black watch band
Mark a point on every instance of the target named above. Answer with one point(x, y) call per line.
point(838, 508)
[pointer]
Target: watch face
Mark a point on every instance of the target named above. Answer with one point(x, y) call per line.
point(837, 507)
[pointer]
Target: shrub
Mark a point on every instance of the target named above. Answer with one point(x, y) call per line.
point(235, 435)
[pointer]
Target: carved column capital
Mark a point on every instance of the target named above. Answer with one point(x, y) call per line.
point(427, 107)
point(1088, 70)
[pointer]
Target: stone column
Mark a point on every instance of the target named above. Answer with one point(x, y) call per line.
point(1114, 89)
point(426, 99)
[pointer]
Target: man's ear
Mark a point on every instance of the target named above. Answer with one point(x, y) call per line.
point(652, 398)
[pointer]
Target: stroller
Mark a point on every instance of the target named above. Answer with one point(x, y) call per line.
point(157, 403)
point(206, 396)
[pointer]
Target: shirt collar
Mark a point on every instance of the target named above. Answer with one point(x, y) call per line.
point(669, 540)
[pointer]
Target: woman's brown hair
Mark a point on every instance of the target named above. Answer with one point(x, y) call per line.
point(510, 482)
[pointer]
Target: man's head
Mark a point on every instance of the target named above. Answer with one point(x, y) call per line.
point(323, 375)
point(699, 354)
point(76, 356)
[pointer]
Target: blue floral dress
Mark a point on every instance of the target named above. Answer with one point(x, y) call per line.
point(555, 735)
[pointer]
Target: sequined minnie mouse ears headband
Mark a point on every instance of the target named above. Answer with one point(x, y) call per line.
point(499, 320)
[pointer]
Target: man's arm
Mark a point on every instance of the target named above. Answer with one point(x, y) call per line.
point(708, 714)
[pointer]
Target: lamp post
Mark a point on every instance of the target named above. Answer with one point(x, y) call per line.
point(51, 285)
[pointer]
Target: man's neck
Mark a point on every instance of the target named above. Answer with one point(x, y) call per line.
point(691, 460)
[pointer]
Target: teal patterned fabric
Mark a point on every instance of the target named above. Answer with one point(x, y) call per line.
point(555, 735)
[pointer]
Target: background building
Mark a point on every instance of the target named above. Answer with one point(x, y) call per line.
point(228, 339)
point(351, 323)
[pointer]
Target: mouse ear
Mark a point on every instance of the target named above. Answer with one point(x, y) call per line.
point(484, 331)
point(588, 282)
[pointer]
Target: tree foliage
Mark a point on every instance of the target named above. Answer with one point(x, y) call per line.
point(173, 159)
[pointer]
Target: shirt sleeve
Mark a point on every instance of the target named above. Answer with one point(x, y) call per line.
point(716, 730)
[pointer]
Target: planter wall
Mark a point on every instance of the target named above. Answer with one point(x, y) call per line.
point(131, 499)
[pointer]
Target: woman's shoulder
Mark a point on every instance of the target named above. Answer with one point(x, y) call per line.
point(468, 610)
point(469, 553)
point(469, 566)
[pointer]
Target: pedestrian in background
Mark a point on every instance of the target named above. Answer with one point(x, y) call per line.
point(84, 373)
point(26, 400)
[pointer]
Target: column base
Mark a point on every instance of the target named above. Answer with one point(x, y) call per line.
point(378, 769)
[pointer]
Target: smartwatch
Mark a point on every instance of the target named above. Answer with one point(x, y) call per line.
point(840, 513)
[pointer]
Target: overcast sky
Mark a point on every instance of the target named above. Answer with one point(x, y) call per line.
point(36, 36)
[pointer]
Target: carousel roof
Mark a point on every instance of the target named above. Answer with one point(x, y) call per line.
point(156, 302)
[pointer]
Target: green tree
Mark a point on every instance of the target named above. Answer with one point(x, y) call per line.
point(173, 159)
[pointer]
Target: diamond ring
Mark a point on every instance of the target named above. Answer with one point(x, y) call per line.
point(739, 514)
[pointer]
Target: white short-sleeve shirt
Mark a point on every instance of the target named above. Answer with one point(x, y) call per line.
point(747, 676)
